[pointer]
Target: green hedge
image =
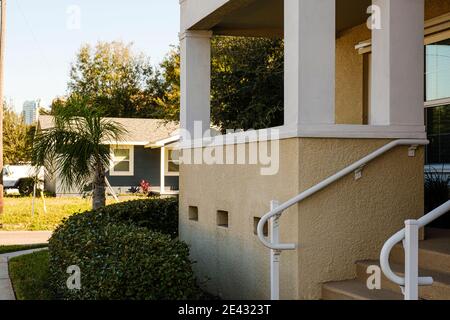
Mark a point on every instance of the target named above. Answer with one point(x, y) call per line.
point(159, 215)
point(123, 254)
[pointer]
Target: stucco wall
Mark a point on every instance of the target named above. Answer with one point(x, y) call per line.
point(351, 220)
point(434, 8)
point(347, 222)
point(350, 66)
point(349, 76)
point(233, 259)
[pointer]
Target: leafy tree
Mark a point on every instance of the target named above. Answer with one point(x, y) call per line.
point(44, 112)
point(117, 81)
point(74, 146)
point(168, 80)
point(246, 82)
point(17, 138)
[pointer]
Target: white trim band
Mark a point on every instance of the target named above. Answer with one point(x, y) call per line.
point(311, 131)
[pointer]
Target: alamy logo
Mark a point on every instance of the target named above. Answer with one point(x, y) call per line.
point(260, 148)
point(374, 21)
point(374, 280)
point(73, 17)
point(74, 281)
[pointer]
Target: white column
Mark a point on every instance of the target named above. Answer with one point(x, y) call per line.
point(195, 79)
point(398, 64)
point(411, 260)
point(310, 62)
point(163, 170)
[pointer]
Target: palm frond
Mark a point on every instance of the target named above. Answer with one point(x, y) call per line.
point(74, 146)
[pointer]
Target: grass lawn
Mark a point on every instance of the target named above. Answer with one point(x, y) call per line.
point(29, 287)
point(9, 249)
point(17, 212)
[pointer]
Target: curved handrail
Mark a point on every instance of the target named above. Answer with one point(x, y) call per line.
point(325, 183)
point(400, 236)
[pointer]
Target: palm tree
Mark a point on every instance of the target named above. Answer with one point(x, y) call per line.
point(74, 147)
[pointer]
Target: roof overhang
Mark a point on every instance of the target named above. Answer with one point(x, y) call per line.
point(164, 142)
point(126, 143)
point(258, 17)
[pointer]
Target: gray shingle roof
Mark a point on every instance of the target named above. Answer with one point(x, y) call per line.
point(140, 131)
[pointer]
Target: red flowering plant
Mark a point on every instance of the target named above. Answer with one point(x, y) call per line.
point(145, 186)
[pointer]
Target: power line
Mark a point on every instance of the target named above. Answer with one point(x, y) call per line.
point(30, 29)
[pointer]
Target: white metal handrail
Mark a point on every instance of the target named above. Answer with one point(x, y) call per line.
point(325, 183)
point(410, 236)
point(277, 210)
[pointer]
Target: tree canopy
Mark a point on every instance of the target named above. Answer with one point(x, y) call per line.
point(246, 82)
point(115, 79)
point(247, 89)
point(169, 100)
point(247, 86)
point(17, 138)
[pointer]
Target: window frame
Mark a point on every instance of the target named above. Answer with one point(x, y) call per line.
point(437, 102)
point(128, 173)
point(168, 173)
point(441, 101)
point(436, 105)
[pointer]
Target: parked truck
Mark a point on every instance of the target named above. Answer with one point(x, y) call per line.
point(22, 178)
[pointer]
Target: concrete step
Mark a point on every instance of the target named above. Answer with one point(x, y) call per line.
point(434, 261)
point(434, 251)
point(440, 290)
point(355, 290)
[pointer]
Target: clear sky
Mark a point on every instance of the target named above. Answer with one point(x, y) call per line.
point(43, 37)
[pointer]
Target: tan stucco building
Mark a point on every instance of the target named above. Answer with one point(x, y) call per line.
point(349, 91)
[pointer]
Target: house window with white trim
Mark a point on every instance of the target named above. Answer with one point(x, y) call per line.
point(172, 162)
point(437, 96)
point(122, 161)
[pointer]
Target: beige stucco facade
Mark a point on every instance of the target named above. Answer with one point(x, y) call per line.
point(348, 221)
point(328, 126)
point(350, 76)
point(233, 259)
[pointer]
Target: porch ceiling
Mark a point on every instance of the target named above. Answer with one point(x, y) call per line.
point(265, 17)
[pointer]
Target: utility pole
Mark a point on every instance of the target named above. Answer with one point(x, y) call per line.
point(2, 56)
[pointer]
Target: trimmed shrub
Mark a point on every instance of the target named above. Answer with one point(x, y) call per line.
point(119, 258)
point(159, 215)
point(155, 214)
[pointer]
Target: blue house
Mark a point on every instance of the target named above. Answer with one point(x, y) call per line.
point(147, 152)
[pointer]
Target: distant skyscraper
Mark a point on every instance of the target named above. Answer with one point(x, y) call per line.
point(30, 111)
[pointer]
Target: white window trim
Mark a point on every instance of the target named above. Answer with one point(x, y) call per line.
point(129, 173)
point(167, 173)
point(427, 104)
point(437, 103)
point(445, 100)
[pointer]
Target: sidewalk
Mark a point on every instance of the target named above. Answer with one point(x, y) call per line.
point(8, 238)
point(6, 289)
